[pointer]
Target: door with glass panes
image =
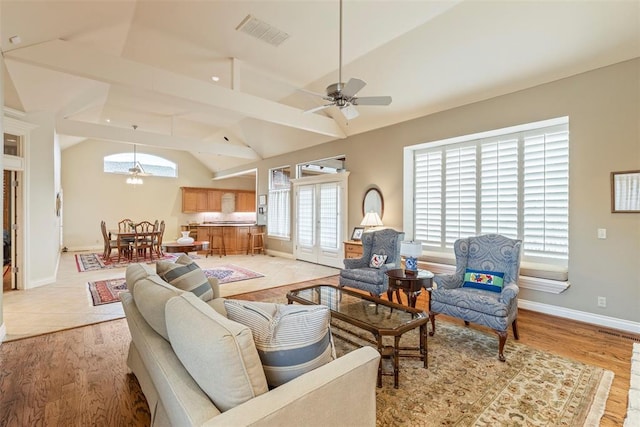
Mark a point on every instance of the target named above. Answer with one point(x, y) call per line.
point(319, 223)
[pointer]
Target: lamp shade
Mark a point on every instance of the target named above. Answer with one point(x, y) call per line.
point(371, 219)
point(411, 250)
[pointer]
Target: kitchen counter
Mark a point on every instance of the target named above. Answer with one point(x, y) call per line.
point(235, 235)
point(222, 224)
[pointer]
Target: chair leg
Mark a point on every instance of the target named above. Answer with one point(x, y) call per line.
point(514, 326)
point(432, 317)
point(502, 335)
point(466, 323)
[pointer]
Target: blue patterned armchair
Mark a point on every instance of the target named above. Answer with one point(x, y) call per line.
point(358, 274)
point(480, 257)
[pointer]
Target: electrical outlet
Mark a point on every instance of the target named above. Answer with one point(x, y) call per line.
point(602, 302)
point(602, 233)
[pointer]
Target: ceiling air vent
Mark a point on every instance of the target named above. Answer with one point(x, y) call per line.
point(262, 31)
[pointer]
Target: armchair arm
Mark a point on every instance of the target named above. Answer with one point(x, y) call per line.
point(509, 292)
point(350, 263)
point(447, 281)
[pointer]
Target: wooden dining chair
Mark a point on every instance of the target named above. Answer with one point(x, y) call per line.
point(109, 244)
point(143, 241)
point(158, 239)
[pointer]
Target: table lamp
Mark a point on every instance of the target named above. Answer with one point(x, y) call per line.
point(371, 219)
point(411, 250)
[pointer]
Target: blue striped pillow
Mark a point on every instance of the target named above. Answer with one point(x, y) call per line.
point(291, 339)
point(186, 275)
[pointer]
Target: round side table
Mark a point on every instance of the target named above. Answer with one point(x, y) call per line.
point(409, 283)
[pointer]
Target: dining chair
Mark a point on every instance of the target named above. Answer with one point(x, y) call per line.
point(144, 236)
point(157, 239)
point(109, 243)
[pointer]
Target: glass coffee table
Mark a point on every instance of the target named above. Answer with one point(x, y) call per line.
point(377, 316)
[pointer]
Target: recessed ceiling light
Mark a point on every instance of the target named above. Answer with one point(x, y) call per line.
point(215, 78)
point(15, 40)
point(108, 120)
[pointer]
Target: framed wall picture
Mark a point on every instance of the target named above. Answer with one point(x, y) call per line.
point(357, 233)
point(625, 191)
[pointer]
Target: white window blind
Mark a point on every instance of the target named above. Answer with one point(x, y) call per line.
point(305, 218)
point(515, 184)
point(279, 204)
point(329, 215)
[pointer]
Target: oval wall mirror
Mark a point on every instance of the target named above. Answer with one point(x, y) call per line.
point(373, 202)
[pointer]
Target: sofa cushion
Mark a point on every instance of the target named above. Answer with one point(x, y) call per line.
point(218, 353)
point(185, 274)
point(291, 339)
point(150, 295)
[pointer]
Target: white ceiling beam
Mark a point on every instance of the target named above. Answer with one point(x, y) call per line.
point(112, 133)
point(88, 99)
point(80, 61)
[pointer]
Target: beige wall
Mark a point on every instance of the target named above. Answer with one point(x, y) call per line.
point(604, 120)
point(90, 195)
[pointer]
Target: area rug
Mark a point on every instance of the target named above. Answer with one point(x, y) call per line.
point(94, 261)
point(108, 291)
point(466, 385)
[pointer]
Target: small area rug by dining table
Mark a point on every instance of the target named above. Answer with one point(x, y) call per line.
point(94, 261)
point(107, 291)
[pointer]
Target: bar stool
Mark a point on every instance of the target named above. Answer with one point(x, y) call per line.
point(216, 233)
point(253, 245)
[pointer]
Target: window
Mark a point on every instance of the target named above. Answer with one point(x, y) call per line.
point(279, 203)
point(513, 181)
point(149, 164)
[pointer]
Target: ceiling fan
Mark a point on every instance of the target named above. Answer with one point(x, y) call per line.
point(343, 95)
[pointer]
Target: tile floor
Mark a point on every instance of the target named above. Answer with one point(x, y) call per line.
point(67, 303)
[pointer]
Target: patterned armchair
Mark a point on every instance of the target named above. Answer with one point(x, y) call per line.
point(480, 257)
point(358, 273)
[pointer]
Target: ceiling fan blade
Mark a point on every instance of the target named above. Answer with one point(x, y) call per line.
point(372, 100)
point(322, 107)
point(352, 87)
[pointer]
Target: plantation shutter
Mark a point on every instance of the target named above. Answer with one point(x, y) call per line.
point(546, 192)
point(279, 204)
point(515, 184)
point(305, 218)
point(460, 194)
point(428, 199)
point(329, 215)
point(499, 187)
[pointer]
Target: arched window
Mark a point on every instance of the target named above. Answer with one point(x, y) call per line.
point(152, 165)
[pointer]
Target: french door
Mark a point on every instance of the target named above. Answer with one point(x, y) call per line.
point(320, 222)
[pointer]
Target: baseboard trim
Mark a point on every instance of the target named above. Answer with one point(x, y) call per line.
point(41, 282)
point(3, 333)
point(279, 254)
point(581, 316)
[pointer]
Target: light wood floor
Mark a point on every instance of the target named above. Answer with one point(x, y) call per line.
point(79, 377)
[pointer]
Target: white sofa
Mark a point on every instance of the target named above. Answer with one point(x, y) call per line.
point(341, 392)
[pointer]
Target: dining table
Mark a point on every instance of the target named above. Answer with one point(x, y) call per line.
point(137, 243)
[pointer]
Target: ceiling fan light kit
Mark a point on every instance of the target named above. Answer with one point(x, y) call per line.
point(343, 95)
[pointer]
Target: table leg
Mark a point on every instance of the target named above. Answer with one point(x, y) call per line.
point(424, 349)
point(396, 362)
point(380, 350)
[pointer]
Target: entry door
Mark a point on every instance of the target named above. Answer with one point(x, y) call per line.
point(319, 219)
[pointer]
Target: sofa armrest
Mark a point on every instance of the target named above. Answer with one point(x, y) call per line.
point(215, 285)
point(342, 392)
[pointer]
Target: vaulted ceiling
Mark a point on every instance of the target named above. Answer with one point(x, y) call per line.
point(103, 66)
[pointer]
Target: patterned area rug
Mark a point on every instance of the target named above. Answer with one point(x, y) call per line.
point(93, 261)
point(466, 385)
point(108, 291)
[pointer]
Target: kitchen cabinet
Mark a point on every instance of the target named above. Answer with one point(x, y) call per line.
point(245, 201)
point(198, 199)
point(236, 236)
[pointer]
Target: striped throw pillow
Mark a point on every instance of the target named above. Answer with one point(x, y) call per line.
point(291, 339)
point(186, 275)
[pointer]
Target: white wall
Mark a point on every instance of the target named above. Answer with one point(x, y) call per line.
point(41, 225)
